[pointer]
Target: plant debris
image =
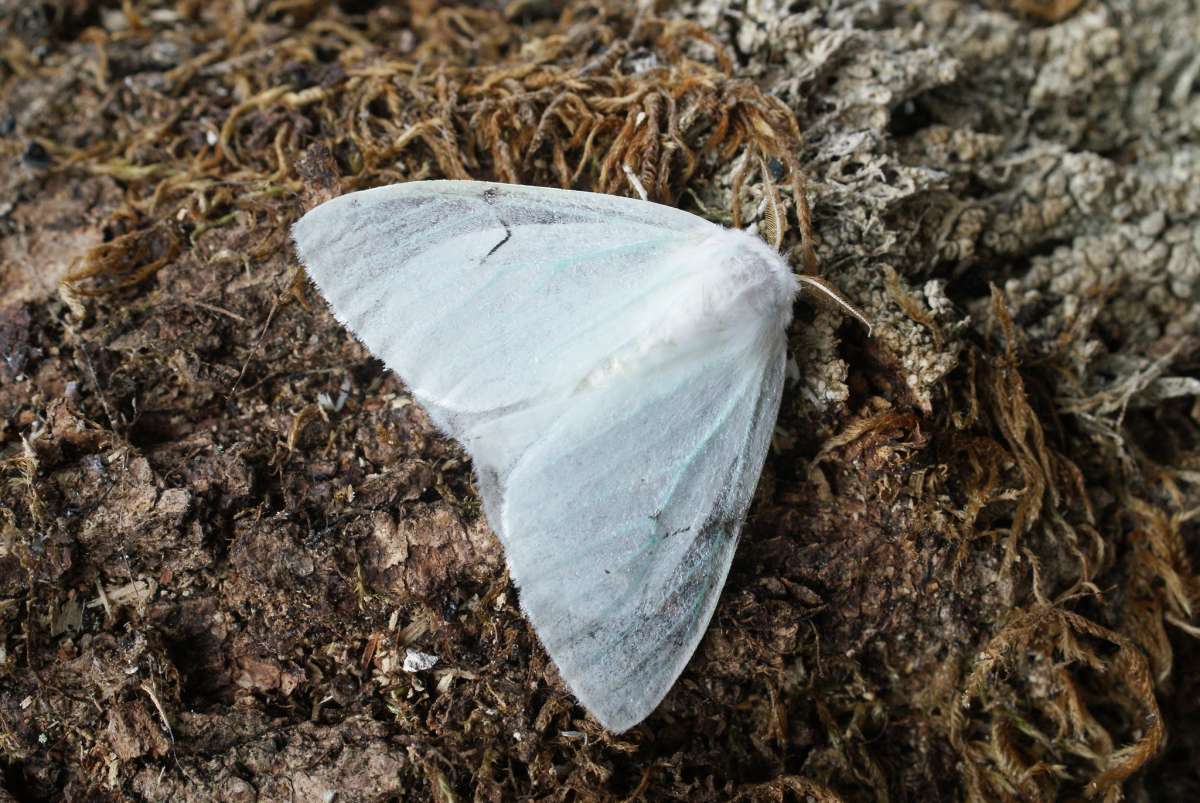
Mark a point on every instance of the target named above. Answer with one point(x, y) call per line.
point(237, 560)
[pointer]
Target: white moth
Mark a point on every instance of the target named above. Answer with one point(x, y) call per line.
point(612, 366)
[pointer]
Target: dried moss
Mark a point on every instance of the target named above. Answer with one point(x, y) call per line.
point(969, 572)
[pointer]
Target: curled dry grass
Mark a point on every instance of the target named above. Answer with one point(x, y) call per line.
point(1035, 717)
point(589, 95)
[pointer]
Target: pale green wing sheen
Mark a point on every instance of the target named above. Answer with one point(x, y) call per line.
point(620, 554)
point(485, 295)
point(613, 367)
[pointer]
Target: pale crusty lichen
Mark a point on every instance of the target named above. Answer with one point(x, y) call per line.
point(953, 149)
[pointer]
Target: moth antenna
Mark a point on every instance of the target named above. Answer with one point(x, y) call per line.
point(635, 181)
point(775, 219)
point(835, 294)
point(776, 223)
